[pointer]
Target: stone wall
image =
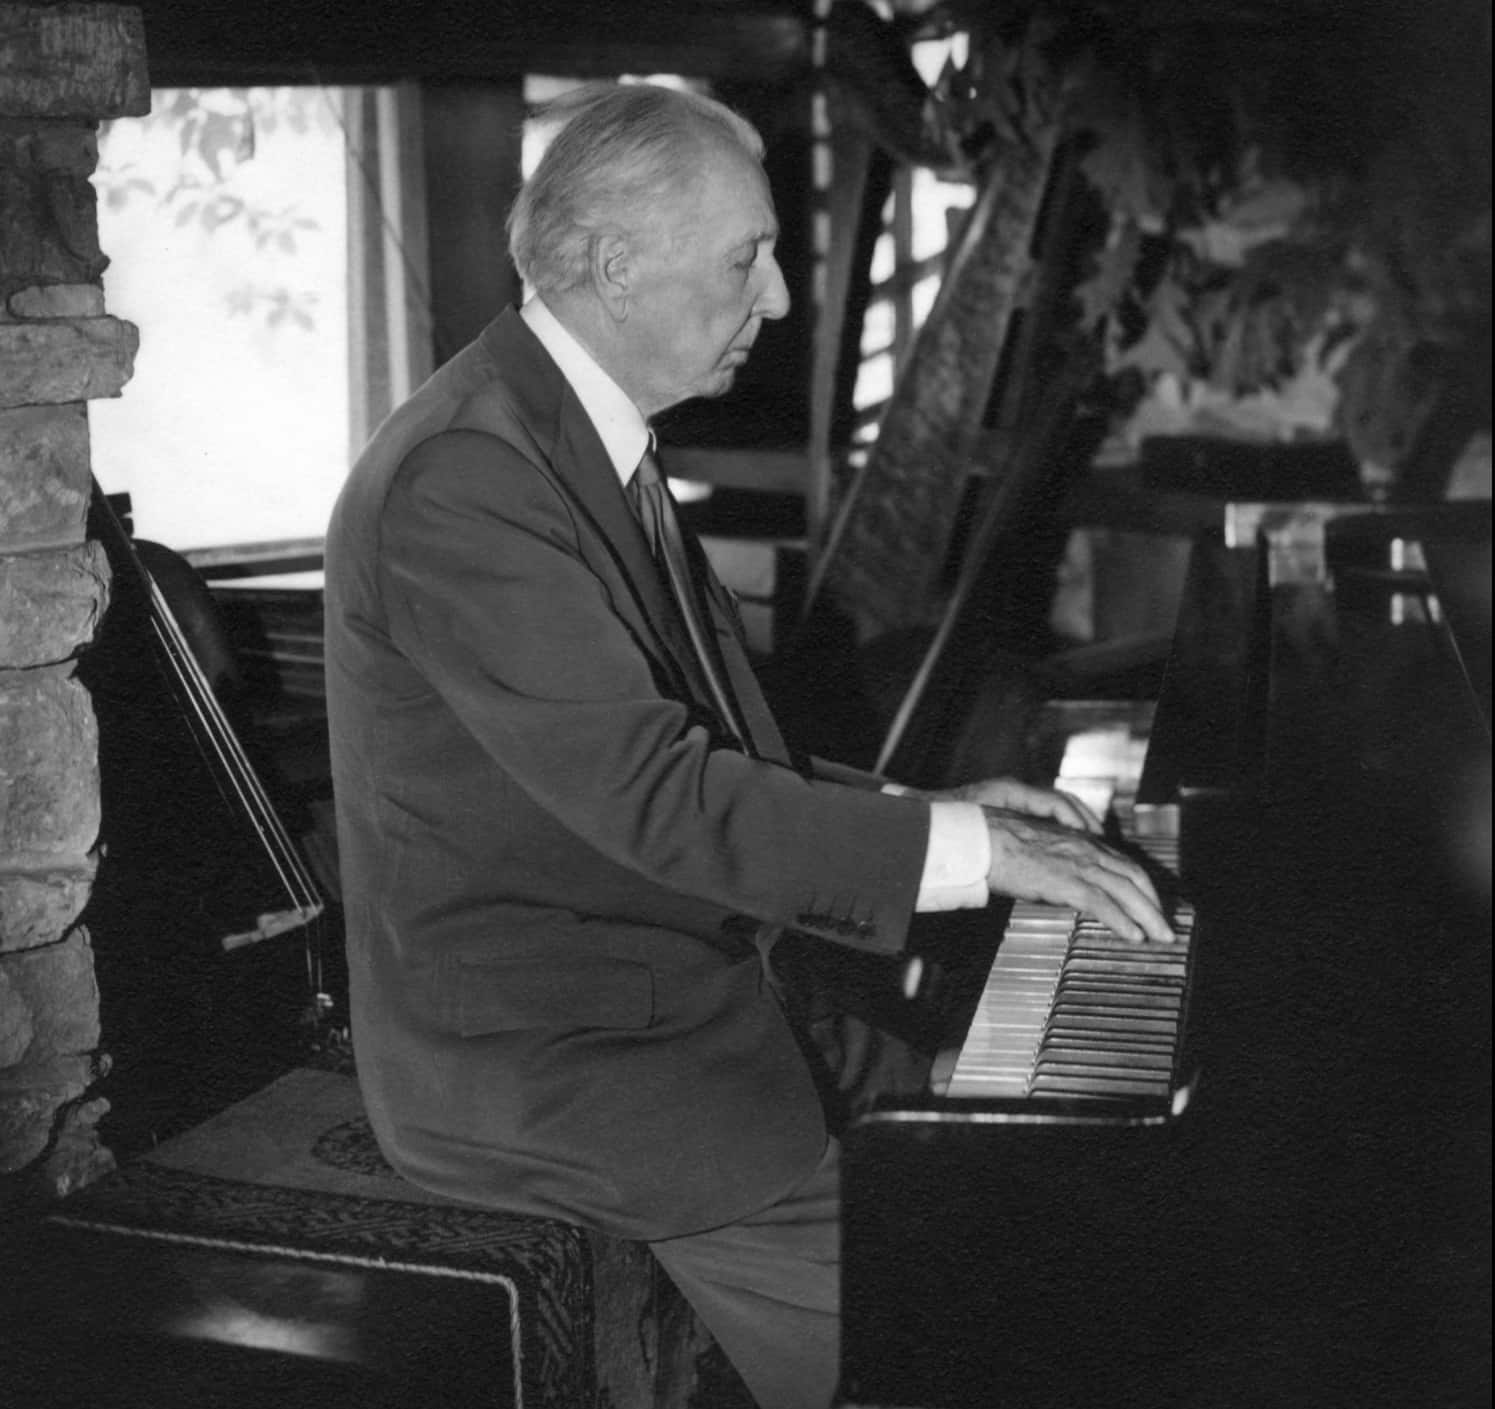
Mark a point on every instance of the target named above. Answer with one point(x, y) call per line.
point(63, 67)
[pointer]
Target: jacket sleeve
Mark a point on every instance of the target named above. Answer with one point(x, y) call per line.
point(488, 594)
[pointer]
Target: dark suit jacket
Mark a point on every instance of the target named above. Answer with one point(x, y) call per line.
point(554, 868)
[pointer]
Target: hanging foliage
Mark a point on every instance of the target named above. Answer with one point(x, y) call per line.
point(216, 132)
point(1299, 220)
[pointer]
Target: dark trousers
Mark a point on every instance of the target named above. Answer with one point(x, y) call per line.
point(769, 1290)
point(769, 1286)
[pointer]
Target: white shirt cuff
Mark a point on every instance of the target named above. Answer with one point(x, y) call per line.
point(958, 858)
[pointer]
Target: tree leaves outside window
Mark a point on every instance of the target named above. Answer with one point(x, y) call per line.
point(217, 132)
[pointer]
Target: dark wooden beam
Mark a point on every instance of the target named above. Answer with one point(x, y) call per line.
point(238, 42)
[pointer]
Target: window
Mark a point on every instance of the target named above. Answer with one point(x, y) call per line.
point(258, 239)
point(919, 224)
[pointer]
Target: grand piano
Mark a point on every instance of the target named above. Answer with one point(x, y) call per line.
point(1250, 1168)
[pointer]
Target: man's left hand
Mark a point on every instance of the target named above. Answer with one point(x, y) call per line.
point(1013, 796)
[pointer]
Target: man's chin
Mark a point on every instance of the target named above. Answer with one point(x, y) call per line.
point(719, 383)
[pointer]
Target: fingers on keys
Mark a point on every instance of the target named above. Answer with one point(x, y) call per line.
point(1126, 899)
point(1080, 871)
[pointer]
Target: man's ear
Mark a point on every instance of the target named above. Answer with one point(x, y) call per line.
point(612, 272)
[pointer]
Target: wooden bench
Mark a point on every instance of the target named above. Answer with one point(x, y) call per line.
point(269, 1257)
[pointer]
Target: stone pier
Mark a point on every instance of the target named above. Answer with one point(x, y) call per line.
point(63, 68)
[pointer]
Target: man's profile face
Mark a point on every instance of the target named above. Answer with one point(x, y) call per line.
point(704, 283)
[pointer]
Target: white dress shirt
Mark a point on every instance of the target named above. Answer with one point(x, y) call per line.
point(958, 855)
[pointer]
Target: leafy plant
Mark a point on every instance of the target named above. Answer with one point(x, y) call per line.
point(217, 132)
point(1290, 204)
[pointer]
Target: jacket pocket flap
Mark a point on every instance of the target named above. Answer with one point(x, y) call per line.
point(505, 994)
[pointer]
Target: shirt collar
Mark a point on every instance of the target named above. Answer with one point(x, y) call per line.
point(624, 433)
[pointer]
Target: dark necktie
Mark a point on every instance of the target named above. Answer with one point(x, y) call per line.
point(656, 512)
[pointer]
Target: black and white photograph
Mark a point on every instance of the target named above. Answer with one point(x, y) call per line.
point(745, 704)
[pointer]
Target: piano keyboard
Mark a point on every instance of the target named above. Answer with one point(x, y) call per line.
point(1069, 1009)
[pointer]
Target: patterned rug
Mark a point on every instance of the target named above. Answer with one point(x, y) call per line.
point(294, 1172)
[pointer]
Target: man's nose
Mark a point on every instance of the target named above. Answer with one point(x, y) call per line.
point(773, 302)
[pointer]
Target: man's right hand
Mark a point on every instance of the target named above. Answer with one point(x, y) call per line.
point(1034, 859)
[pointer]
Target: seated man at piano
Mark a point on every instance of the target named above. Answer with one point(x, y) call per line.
point(570, 829)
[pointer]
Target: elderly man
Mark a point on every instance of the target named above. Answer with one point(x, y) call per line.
point(569, 826)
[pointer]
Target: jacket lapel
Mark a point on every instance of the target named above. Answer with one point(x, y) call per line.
point(732, 646)
point(616, 549)
point(583, 466)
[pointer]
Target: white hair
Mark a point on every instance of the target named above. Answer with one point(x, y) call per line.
point(620, 152)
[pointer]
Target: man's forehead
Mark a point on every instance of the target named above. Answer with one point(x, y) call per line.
point(726, 215)
point(738, 200)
